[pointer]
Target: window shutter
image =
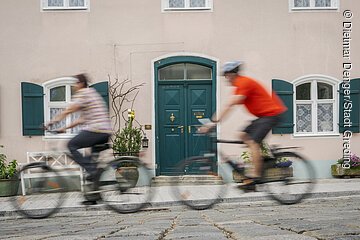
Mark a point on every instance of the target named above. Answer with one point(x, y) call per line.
point(103, 89)
point(285, 91)
point(353, 104)
point(32, 109)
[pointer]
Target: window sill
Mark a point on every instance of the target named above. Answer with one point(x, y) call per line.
point(312, 135)
point(187, 10)
point(49, 9)
point(315, 9)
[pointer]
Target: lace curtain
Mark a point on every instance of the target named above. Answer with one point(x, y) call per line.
point(76, 3)
point(322, 3)
point(301, 3)
point(197, 3)
point(62, 123)
point(306, 3)
point(53, 113)
point(55, 3)
point(60, 3)
point(176, 3)
point(192, 3)
point(75, 116)
point(325, 117)
point(303, 118)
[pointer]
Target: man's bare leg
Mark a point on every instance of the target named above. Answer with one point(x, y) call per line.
point(255, 151)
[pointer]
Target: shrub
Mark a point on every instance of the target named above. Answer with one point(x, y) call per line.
point(265, 151)
point(7, 171)
point(128, 139)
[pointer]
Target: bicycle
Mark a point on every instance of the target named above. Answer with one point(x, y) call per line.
point(114, 186)
point(202, 183)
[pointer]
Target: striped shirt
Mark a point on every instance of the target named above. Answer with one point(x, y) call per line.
point(93, 110)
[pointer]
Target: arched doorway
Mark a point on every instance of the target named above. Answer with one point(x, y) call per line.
point(185, 89)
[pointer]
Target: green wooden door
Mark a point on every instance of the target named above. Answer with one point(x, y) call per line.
point(180, 107)
point(185, 91)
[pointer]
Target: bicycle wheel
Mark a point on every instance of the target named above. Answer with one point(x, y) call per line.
point(125, 185)
point(290, 184)
point(199, 186)
point(44, 194)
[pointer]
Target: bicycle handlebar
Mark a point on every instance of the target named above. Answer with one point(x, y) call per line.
point(212, 133)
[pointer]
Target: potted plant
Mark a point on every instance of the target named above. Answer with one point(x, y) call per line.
point(282, 166)
point(349, 168)
point(9, 180)
point(127, 142)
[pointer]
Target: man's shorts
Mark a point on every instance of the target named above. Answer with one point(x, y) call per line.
point(259, 128)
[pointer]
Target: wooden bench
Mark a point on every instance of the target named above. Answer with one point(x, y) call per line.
point(57, 160)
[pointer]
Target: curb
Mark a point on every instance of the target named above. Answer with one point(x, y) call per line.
point(163, 206)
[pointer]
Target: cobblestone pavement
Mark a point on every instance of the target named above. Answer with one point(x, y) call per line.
point(336, 218)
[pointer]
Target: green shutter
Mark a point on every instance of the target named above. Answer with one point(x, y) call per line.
point(103, 89)
point(352, 104)
point(285, 91)
point(32, 109)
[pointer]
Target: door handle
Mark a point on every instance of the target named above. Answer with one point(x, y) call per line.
point(195, 126)
point(182, 128)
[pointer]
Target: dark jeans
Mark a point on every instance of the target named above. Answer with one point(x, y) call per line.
point(83, 140)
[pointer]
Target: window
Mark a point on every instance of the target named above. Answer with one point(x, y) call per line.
point(185, 5)
point(315, 107)
point(185, 71)
point(65, 4)
point(314, 4)
point(41, 103)
point(58, 95)
point(318, 105)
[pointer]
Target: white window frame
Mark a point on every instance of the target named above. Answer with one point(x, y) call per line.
point(334, 6)
point(45, 6)
point(47, 86)
point(166, 8)
point(314, 79)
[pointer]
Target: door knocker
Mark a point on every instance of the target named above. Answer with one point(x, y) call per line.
point(172, 117)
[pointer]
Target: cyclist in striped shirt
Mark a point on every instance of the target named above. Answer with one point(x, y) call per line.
point(94, 115)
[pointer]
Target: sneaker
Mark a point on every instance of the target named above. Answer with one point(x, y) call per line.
point(249, 185)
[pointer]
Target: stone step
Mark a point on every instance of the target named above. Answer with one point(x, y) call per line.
point(191, 179)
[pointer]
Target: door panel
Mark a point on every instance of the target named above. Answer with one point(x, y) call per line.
point(199, 106)
point(171, 122)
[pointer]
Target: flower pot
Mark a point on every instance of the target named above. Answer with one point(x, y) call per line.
point(127, 177)
point(338, 171)
point(270, 174)
point(9, 187)
point(278, 173)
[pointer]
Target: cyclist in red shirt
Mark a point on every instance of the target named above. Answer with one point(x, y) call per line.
point(259, 102)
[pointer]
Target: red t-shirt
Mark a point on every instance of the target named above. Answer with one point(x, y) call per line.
point(258, 101)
